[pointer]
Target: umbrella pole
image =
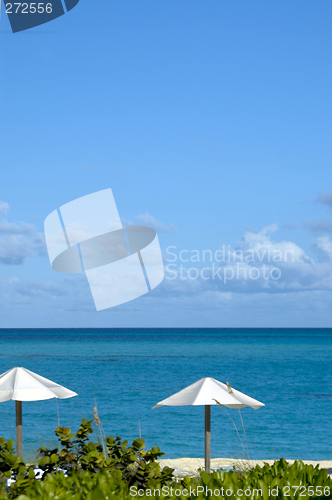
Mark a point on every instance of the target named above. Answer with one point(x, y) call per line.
point(19, 429)
point(207, 438)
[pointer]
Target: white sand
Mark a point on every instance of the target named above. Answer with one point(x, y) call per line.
point(191, 465)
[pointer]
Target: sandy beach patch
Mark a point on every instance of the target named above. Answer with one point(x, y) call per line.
point(191, 465)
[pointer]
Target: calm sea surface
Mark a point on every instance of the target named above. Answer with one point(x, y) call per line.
point(128, 371)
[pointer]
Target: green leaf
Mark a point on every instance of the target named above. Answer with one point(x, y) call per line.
point(264, 487)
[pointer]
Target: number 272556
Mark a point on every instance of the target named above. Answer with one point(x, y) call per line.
point(28, 8)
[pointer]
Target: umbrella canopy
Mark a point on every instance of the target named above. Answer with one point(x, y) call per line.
point(20, 385)
point(207, 392)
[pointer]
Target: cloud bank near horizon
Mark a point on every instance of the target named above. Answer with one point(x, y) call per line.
point(304, 284)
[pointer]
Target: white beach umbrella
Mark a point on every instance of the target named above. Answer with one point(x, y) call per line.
point(207, 392)
point(20, 385)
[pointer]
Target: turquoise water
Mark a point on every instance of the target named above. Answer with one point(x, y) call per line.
point(129, 371)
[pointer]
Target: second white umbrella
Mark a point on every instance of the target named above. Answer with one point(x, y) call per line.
point(207, 392)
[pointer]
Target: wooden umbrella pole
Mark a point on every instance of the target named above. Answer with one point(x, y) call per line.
point(19, 430)
point(207, 438)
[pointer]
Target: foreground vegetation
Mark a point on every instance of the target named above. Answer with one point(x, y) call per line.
point(109, 469)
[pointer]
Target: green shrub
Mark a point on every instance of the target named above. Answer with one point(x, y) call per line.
point(81, 469)
point(78, 453)
point(278, 481)
point(10, 464)
point(80, 485)
point(107, 485)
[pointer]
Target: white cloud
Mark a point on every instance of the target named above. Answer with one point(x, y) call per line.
point(258, 264)
point(325, 198)
point(148, 220)
point(320, 226)
point(16, 227)
point(18, 240)
point(4, 207)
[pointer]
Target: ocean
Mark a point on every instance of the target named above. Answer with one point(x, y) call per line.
point(127, 371)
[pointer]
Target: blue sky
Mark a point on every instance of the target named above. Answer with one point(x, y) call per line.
point(211, 119)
